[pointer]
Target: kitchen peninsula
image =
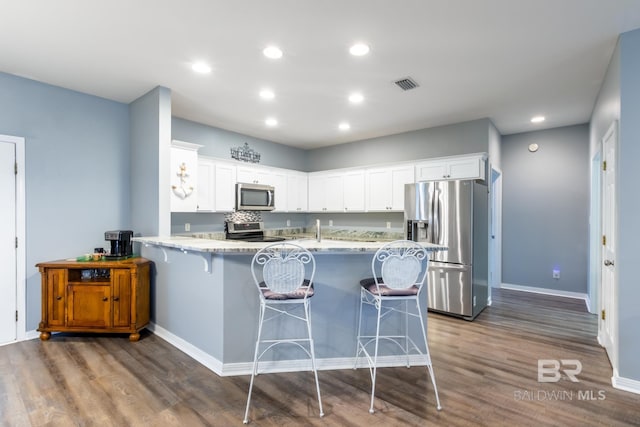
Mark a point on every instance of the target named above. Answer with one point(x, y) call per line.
point(211, 313)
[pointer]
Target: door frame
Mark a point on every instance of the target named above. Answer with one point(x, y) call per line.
point(595, 233)
point(495, 230)
point(21, 253)
point(610, 341)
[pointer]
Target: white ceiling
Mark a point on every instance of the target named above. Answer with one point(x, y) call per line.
point(503, 59)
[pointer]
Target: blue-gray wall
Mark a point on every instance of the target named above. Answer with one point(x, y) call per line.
point(150, 152)
point(545, 208)
point(218, 142)
point(628, 250)
point(76, 174)
point(459, 138)
point(619, 99)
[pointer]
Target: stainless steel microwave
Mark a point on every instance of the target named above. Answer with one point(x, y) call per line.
point(255, 197)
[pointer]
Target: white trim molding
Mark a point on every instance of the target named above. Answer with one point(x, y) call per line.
point(244, 368)
point(625, 384)
point(546, 291)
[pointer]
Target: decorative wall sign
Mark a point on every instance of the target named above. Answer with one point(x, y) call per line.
point(183, 190)
point(245, 153)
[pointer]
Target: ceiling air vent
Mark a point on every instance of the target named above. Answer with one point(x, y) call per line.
point(406, 83)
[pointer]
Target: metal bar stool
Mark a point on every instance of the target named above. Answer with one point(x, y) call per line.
point(283, 273)
point(399, 273)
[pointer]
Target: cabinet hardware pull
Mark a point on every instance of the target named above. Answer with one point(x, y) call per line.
point(116, 298)
point(58, 297)
point(105, 299)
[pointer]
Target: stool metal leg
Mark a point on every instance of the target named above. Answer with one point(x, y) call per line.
point(313, 355)
point(375, 356)
point(429, 364)
point(254, 370)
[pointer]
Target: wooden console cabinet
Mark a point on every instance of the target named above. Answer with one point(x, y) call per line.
point(95, 296)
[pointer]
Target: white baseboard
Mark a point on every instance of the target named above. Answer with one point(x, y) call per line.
point(545, 291)
point(31, 335)
point(244, 368)
point(625, 384)
point(201, 356)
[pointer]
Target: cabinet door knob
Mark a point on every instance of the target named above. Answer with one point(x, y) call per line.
point(105, 299)
point(116, 298)
point(58, 297)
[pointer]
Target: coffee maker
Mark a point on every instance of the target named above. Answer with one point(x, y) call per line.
point(121, 246)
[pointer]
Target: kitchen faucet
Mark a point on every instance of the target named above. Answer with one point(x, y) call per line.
point(318, 234)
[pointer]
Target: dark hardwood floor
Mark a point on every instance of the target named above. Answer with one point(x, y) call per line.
point(486, 371)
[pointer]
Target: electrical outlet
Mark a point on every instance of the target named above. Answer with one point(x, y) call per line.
point(288, 223)
point(187, 226)
point(388, 224)
point(556, 274)
point(330, 223)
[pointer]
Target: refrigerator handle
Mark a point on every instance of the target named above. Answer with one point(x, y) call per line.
point(435, 208)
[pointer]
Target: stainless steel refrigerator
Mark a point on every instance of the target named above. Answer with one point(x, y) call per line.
point(453, 214)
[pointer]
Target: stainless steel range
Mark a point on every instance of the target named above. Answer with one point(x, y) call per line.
point(248, 232)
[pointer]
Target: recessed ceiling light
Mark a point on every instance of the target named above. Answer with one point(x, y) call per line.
point(359, 49)
point(201, 67)
point(271, 122)
point(267, 94)
point(537, 119)
point(272, 52)
point(344, 126)
point(356, 98)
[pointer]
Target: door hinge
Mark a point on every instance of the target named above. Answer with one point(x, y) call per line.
point(604, 165)
point(604, 240)
point(603, 314)
point(16, 315)
point(16, 243)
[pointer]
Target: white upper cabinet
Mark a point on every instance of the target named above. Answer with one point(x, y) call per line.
point(296, 192)
point(326, 192)
point(354, 191)
point(183, 170)
point(253, 175)
point(385, 187)
point(267, 176)
point(278, 179)
point(206, 183)
point(203, 184)
point(459, 167)
point(225, 187)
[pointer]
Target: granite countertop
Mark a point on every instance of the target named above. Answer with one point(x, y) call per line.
point(187, 243)
point(328, 233)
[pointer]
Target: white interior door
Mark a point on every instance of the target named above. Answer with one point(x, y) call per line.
point(608, 294)
point(8, 266)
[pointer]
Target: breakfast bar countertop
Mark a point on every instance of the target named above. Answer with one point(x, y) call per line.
point(187, 243)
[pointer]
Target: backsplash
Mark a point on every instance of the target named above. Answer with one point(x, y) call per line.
point(243, 216)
